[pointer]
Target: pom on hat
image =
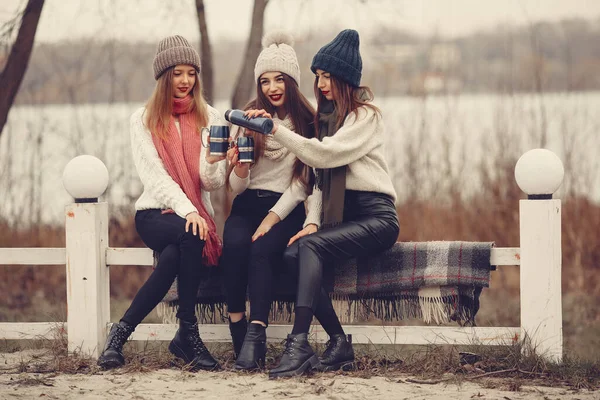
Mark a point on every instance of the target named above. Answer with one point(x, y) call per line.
point(277, 38)
point(278, 55)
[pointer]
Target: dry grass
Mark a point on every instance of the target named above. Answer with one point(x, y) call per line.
point(507, 367)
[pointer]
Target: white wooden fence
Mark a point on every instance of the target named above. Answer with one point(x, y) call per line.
point(88, 256)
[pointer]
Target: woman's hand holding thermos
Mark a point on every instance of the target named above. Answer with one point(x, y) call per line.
point(254, 120)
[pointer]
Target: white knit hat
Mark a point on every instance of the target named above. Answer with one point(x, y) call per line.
point(277, 56)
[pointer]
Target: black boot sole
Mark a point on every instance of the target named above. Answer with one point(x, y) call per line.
point(309, 364)
point(344, 366)
point(179, 353)
point(258, 365)
point(109, 364)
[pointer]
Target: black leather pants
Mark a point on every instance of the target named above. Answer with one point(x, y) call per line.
point(370, 226)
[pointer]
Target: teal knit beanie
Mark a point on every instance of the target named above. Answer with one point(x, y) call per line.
point(341, 58)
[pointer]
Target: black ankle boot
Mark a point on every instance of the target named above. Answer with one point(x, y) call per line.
point(112, 355)
point(298, 357)
point(338, 354)
point(254, 350)
point(188, 346)
point(238, 333)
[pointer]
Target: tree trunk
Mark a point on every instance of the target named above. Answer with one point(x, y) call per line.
point(205, 53)
point(245, 84)
point(16, 65)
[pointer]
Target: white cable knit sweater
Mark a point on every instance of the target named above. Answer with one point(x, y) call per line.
point(276, 175)
point(160, 190)
point(358, 144)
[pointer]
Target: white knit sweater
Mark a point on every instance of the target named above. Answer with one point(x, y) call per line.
point(358, 144)
point(160, 190)
point(276, 175)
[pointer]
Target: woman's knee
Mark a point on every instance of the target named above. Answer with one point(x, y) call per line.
point(290, 256)
point(263, 248)
point(189, 241)
point(235, 240)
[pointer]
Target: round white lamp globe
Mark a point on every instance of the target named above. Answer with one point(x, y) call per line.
point(85, 178)
point(539, 172)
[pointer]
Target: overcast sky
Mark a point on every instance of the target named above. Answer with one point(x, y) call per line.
point(150, 20)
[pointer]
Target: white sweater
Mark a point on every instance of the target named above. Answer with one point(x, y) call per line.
point(358, 144)
point(160, 190)
point(276, 176)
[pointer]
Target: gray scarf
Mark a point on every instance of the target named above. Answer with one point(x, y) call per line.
point(331, 181)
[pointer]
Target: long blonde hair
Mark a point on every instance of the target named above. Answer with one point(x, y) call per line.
point(160, 105)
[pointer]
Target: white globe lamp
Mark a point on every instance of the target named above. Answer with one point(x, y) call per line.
point(85, 178)
point(539, 173)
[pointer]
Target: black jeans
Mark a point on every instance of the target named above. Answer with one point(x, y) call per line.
point(251, 265)
point(370, 226)
point(180, 256)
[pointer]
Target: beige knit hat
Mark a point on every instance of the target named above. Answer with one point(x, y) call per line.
point(277, 55)
point(172, 51)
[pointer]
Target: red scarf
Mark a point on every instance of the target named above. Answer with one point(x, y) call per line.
point(181, 157)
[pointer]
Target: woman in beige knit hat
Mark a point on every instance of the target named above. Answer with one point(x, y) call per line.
point(174, 215)
point(268, 209)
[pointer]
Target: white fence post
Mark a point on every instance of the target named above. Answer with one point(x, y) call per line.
point(86, 228)
point(539, 173)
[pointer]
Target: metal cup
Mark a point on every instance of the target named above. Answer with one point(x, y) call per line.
point(245, 146)
point(219, 140)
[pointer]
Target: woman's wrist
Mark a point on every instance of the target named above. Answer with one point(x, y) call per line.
point(272, 218)
point(241, 172)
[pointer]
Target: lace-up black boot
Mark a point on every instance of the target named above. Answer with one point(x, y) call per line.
point(238, 333)
point(338, 354)
point(254, 349)
point(188, 346)
point(298, 357)
point(112, 355)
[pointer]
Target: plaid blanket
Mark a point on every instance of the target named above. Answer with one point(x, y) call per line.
point(435, 281)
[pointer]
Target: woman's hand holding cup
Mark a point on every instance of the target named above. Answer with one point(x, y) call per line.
point(241, 169)
point(211, 158)
point(218, 141)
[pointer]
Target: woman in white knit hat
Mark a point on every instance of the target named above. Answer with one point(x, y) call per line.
point(268, 209)
point(174, 215)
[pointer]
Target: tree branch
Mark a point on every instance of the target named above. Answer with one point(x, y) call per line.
point(245, 81)
point(16, 65)
point(205, 53)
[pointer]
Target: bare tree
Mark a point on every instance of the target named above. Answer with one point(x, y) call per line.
point(16, 65)
point(206, 51)
point(538, 66)
point(245, 81)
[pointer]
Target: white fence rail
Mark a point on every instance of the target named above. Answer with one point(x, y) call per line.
point(87, 258)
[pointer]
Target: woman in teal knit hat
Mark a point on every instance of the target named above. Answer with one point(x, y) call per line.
point(357, 199)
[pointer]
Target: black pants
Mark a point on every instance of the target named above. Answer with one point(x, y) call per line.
point(180, 256)
point(370, 226)
point(251, 265)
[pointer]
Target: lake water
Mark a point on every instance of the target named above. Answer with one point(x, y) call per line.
point(432, 144)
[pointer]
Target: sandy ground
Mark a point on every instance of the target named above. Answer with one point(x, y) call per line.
point(177, 384)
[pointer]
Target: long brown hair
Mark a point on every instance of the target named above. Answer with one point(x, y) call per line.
point(160, 105)
point(346, 98)
point(302, 115)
